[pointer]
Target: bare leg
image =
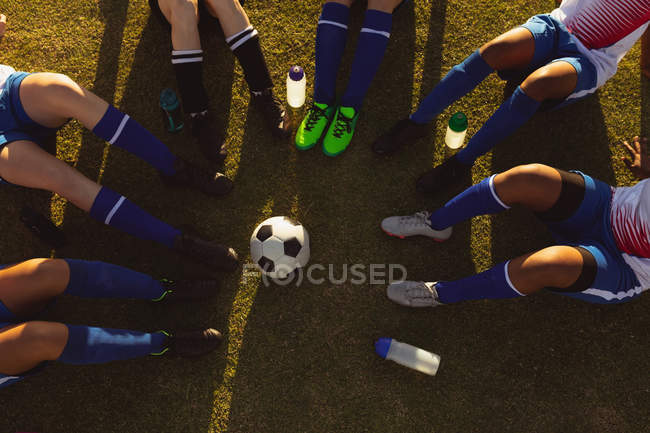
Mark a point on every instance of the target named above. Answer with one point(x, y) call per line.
point(511, 50)
point(231, 15)
point(556, 80)
point(27, 287)
point(534, 186)
point(557, 266)
point(387, 6)
point(24, 346)
point(183, 15)
point(26, 164)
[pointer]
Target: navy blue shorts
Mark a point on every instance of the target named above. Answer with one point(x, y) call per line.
point(590, 227)
point(554, 43)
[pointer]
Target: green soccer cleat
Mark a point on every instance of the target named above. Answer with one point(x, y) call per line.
point(341, 130)
point(313, 125)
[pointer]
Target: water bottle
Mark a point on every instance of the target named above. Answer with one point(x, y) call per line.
point(456, 130)
point(296, 87)
point(408, 356)
point(171, 109)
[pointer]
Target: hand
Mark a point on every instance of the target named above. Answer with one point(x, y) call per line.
point(639, 164)
point(3, 24)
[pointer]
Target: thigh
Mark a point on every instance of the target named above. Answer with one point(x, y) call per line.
point(555, 81)
point(27, 287)
point(512, 50)
point(384, 5)
point(25, 345)
point(24, 163)
point(167, 7)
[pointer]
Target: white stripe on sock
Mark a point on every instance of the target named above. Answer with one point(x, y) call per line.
point(242, 40)
point(110, 215)
point(512, 286)
point(377, 32)
point(119, 129)
point(334, 23)
point(494, 193)
point(230, 38)
point(8, 378)
point(187, 60)
point(184, 52)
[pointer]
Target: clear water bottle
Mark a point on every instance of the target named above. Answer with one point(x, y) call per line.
point(456, 130)
point(408, 356)
point(296, 87)
point(171, 109)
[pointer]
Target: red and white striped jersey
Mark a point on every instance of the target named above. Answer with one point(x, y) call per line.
point(630, 217)
point(601, 23)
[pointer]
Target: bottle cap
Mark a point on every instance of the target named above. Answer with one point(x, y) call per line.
point(382, 345)
point(296, 73)
point(458, 122)
point(168, 100)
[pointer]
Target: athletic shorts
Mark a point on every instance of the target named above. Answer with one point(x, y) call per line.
point(554, 43)
point(590, 227)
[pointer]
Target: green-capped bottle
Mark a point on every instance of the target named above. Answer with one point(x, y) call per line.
point(171, 109)
point(456, 130)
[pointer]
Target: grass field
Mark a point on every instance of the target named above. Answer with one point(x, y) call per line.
point(301, 359)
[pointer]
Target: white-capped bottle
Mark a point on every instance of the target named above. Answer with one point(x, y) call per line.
point(456, 130)
point(408, 356)
point(296, 87)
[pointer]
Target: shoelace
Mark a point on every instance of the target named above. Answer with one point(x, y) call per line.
point(420, 218)
point(343, 124)
point(424, 292)
point(271, 105)
point(314, 116)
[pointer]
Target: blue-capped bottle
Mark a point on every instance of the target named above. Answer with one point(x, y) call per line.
point(408, 356)
point(171, 109)
point(296, 87)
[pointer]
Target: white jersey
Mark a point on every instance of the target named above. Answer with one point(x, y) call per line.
point(604, 30)
point(630, 217)
point(5, 71)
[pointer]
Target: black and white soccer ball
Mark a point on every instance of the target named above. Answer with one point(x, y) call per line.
point(279, 246)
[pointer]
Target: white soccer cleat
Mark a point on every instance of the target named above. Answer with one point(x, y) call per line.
point(414, 294)
point(414, 225)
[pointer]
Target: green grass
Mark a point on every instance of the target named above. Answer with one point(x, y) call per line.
point(301, 359)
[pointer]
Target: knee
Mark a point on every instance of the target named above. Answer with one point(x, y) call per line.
point(53, 270)
point(61, 86)
point(554, 81)
point(524, 176)
point(383, 5)
point(495, 52)
point(182, 12)
point(46, 340)
point(558, 266)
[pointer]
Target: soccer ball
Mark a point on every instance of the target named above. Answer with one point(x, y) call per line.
point(279, 246)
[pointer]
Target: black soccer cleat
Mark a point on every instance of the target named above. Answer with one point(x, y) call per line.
point(188, 290)
point(446, 175)
point(42, 227)
point(190, 344)
point(211, 141)
point(209, 253)
point(193, 176)
point(402, 133)
point(274, 113)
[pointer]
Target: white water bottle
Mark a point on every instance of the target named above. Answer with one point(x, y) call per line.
point(408, 356)
point(296, 87)
point(456, 130)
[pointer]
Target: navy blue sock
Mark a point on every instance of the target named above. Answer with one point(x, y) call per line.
point(90, 345)
point(511, 115)
point(104, 280)
point(479, 199)
point(458, 82)
point(331, 35)
point(371, 47)
point(119, 129)
point(117, 211)
point(491, 284)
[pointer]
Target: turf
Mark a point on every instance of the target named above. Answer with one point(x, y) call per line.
point(301, 359)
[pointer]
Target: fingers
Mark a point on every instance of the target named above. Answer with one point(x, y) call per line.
point(637, 143)
point(629, 163)
point(629, 149)
point(3, 24)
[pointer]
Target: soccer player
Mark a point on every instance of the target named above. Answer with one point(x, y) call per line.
point(558, 58)
point(34, 106)
point(187, 58)
point(27, 288)
point(602, 253)
point(331, 36)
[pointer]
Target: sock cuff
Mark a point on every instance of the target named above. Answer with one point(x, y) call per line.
point(490, 182)
point(187, 56)
point(335, 14)
point(73, 350)
point(377, 22)
point(508, 281)
point(77, 275)
point(238, 39)
point(106, 204)
point(478, 64)
point(523, 103)
point(111, 125)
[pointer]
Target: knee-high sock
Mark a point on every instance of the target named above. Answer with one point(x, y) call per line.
point(331, 35)
point(119, 129)
point(188, 67)
point(117, 211)
point(511, 115)
point(104, 280)
point(371, 47)
point(459, 81)
point(245, 45)
point(91, 345)
point(479, 199)
point(491, 284)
